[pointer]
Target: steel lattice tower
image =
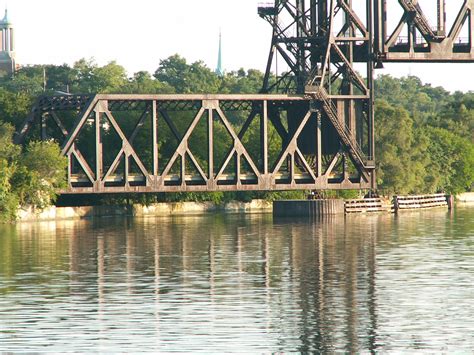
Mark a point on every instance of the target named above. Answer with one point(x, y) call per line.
point(329, 49)
point(320, 41)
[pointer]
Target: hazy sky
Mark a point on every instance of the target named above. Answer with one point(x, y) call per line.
point(137, 34)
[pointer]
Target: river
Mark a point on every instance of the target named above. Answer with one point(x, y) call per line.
point(243, 283)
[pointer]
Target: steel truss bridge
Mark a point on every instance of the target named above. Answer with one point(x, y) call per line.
point(311, 127)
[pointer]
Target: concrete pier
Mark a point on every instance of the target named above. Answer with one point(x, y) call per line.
point(308, 208)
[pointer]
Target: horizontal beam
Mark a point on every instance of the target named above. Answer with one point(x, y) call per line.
point(428, 57)
point(320, 185)
point(201, 97)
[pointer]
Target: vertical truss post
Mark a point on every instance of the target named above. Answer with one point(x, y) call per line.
point(441, 18)
point(264, 138)
point(154, 125)
point(319, 146)
point(98, 146)
point(210, 149)
point(370, 77)
point(471, 31)
point(379, 27)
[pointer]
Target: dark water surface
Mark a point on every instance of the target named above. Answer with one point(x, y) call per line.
point(227, 283)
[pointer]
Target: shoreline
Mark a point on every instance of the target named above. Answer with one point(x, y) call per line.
point(162, 209)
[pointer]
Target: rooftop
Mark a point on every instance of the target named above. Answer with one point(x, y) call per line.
point(5, 20)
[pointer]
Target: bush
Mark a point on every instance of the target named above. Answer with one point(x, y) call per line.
point(41, 172)
point(8, 200)
point(31, 177)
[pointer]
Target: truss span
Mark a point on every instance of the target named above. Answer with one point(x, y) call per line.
point(164, 143)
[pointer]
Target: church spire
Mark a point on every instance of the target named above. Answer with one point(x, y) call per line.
point(219, 70)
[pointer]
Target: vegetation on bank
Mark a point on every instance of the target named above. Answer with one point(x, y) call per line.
point(29, 175)
point(424, 134)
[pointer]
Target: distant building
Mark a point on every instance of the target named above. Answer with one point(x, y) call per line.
point(7, 47)
point(219, 70)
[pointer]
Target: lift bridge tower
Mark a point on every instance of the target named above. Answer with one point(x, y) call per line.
point(327, 50)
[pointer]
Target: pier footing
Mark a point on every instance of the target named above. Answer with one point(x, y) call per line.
point(307, 208)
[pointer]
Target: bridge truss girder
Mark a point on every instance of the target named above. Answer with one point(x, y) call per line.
point(416, 39)
point(104, 136)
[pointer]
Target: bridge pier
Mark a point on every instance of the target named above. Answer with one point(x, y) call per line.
point(308, 208)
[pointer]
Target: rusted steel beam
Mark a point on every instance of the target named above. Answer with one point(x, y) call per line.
point(200, 97)
point(183, 170)
point(436, 44)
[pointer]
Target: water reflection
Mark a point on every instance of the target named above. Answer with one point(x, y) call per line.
point(239, 283)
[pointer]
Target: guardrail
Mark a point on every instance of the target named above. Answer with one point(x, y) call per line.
point(420, 201)
point(398, 203)
point(367, 205)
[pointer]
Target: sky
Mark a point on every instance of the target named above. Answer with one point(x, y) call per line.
point(139, 33)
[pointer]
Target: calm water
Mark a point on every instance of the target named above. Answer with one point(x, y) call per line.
point(240, 283)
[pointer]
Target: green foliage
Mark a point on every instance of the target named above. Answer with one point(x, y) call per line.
point(187, 78)
point(28, 80)
point(282, 195)
point(14, 106)
point(40, 173)
point(31, 177)
point(8, 200)
point(452, 161)
point(143, 83)
point(424, 137)
point(91, 78)
point(399, 150)
point(8, 151)
point(242, 82)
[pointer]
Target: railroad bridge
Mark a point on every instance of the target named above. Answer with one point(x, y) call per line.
point(311, 127)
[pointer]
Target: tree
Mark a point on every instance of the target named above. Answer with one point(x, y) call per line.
point(14, 106)
point(195, 78)
point(28, 80)
point(399, 148)
point(9, 152)
point(90, 78)
point(458, 116)
point(41, 172)
point(8, 155)
point(452, 161)
point(8, 200)
point(143, 83)
point(242, 82)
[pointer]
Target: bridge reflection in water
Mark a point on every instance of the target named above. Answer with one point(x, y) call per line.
point(360, 283)
point(309, 285)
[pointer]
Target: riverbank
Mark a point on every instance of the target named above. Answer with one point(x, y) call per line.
point(466, 198)
point(164, 209)
point(157, 209)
